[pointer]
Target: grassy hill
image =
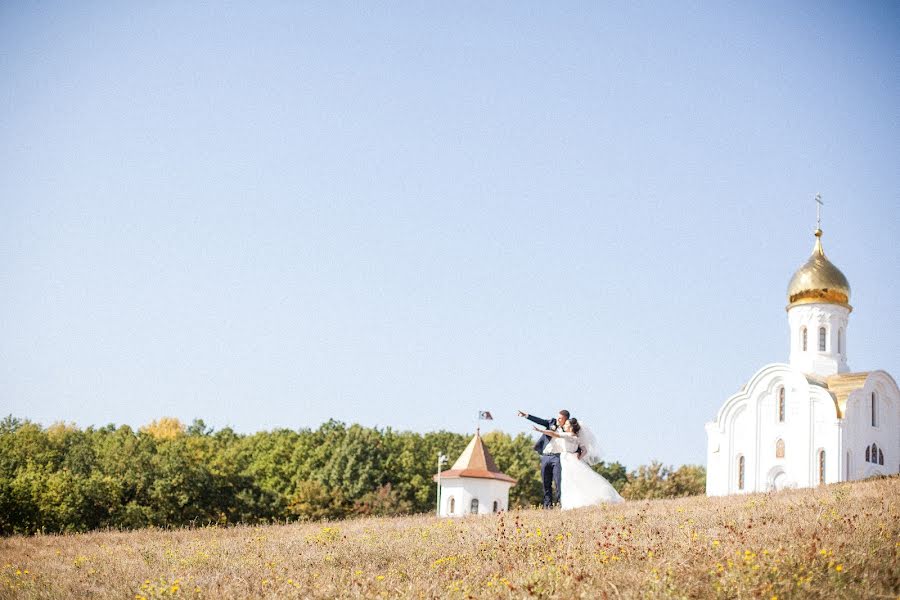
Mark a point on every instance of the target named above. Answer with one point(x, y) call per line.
point(839, 541)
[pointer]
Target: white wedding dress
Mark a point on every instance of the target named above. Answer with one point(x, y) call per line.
point(580, 485)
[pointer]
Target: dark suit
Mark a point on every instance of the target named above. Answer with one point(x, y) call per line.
point(544, 439)
point(551, 467)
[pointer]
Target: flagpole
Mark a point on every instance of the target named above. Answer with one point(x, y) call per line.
point(440, 460)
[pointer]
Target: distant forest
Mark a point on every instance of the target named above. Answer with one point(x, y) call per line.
point(63, 478)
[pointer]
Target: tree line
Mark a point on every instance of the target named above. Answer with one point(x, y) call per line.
point(63, 478)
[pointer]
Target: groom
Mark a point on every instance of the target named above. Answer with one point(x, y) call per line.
point(550, 449)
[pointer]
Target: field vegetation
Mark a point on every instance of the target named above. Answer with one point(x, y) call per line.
point(837, 541)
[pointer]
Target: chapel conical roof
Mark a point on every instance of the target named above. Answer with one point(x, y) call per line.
point(818, 281)
point(477, 462)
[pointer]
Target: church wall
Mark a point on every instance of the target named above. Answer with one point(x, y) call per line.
point(714, 475)
point(825, 428)
point(748, 425)
point(783, 455)
point(860, 434)
point(741, 443)
point(770, 431)
point(464, 489)
point(834, 319)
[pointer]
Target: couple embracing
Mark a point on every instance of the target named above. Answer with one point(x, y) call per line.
point(567, 450)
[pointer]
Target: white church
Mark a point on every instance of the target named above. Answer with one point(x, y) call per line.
point(473, 485)
point(810, 421)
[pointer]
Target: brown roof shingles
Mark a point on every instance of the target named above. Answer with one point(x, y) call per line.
point(477, 462)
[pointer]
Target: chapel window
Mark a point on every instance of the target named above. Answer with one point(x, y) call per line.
point(453, 500)
point(875, 453)
point(781, 405)
point(821, 339)
point(821, 466)
point(880, 457)
point(496, 506)
point(474, 510)
point(840, 341)
point(740, 481)
point(874, 410)
point(803, 338)
point(847, 466)
point(779, 449)
point(868, 454)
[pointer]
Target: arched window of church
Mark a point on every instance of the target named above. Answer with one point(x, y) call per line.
point(880, 457)
point(821, 466)
point(803, 338)
point(875, 453)
point(496, 506)
point(821, 339)
point(474, 506)
point(781, 405)
point(847, 467)
point(453, 500)
point(779, 449)
point(874, 410)
point(740, 473)
point(840, 341)
point(868, 454)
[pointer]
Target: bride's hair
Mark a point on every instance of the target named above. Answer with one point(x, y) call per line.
point(575, 426)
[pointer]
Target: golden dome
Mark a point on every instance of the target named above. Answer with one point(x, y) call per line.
point(819, 281)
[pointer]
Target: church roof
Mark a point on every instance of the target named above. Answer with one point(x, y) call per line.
point(476, 462)
point(818, 281)
point(840, 387)
point(843, 384)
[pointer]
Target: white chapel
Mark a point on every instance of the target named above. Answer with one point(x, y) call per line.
point(812, 420)
point(473, 485)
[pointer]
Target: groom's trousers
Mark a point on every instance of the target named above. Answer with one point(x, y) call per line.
point(551, 473)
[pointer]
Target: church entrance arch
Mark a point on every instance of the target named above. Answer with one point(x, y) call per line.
point(777, 479)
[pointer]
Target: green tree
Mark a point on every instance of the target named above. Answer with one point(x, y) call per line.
point(312, 500)
point(648, 481)
point(658, 481)
point(516, 457)
point(63, 478)
point(615, 473)
point(383, 502)
point(688, 480)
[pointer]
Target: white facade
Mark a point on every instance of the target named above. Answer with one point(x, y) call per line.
point(780, 453)
point(811, 421)
point(457, 496)
point(822, 329)
point(865, 427)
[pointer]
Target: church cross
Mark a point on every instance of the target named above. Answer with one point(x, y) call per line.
point(819, 205)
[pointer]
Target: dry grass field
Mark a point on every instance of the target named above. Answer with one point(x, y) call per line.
point(840, 541)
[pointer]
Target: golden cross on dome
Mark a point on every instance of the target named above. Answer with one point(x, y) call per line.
point(819, 205)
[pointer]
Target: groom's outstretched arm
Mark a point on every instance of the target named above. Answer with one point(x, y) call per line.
point(545, 423)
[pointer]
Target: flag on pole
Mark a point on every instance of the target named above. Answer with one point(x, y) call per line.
point(484, 415)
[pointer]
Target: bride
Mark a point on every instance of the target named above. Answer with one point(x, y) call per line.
point(580, 485)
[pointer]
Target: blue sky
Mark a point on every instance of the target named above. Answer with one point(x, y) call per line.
point(268, 215)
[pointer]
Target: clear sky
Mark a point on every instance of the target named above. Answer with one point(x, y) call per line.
point(270, 214)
